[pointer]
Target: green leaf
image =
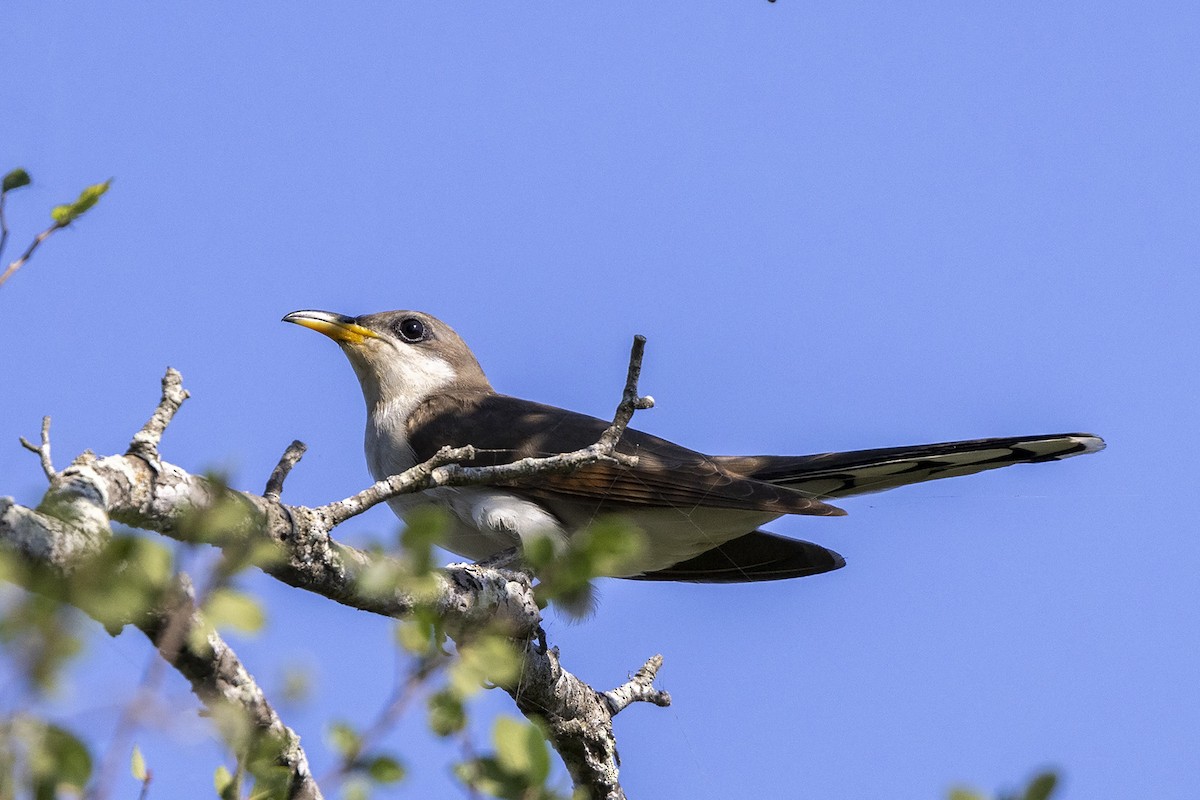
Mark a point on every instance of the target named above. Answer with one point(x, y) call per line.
point(72, 762)
point(137, 765)
point(521, 750)
point(487, 776)
point(381, 578)
point(66, 214)
point(1042, 786)
point(234, 609)
point(423, 529)
point(345, 740)
point(355, 789)
point(15, 180)
point(489, 658)
point(39, 634)
point(124, 580)
point(222, 781)
point(965, 794)
point(416, 637)
point(607, 547)
point(446, 713)
point(385, 769)
point(297, 684)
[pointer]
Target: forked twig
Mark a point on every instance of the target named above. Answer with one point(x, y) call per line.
point(42, 450)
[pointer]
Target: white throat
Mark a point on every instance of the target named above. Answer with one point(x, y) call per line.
point(406, 383)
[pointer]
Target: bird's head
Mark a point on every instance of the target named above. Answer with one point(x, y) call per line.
point(400, 357)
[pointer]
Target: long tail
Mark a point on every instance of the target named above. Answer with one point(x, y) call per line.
point(862, 471)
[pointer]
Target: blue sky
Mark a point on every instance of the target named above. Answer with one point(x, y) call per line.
point(840, 227)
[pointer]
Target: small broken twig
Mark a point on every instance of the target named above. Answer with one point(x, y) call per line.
point(639, 688)
point(145, 442)
point(295, 451)
point(630, 400)
point(42, 450)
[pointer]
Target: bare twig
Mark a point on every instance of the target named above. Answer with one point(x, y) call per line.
point(295, 451)
point(439, 471)
point(445, 469)
point(3, 224)
point(145, 442)
point(639, 688)
point(37, 241)
point(630, 400)
point(43, 450)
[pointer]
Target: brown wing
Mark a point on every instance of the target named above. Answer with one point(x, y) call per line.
point(863, 471)
point(508, 428)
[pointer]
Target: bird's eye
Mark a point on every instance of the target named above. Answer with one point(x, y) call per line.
point(411, 329)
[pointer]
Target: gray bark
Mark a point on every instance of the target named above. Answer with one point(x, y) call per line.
point(139, 489)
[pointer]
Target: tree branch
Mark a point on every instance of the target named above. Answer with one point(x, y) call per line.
point(24, 257)
point(141, 490)
point(145, 442)
point(179, 632)
point(639, 688)
point(290, 458)
point(43, 450)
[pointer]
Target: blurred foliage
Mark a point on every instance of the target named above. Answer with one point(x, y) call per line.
point(128, 578)
point(1040, 787)
point(364, 770)
point(41, 760)
point(296, 685)
point(412, 567)
point(40, 636)
point(225, 783)
point(565, 570)
point(519, 766)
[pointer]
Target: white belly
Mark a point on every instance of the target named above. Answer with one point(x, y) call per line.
point(483, 521)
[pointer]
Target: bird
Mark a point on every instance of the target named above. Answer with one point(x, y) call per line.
point(700, 515)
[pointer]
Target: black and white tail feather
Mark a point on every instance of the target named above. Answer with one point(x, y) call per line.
point(763, 556)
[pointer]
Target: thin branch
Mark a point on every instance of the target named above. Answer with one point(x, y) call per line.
point(445, 469)
point(42, 450)
point(37, 241)
point(295, 451)
point(145, 442)
point(437, 471)
point(630, 401)
point(3, 224)
point(639, 688)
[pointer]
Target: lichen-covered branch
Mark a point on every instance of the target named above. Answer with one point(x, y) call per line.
point(53, 551)
point(639, 688)
point(578, 719)
point(141, 490)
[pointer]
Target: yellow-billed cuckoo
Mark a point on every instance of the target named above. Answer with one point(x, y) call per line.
point(700, 514)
